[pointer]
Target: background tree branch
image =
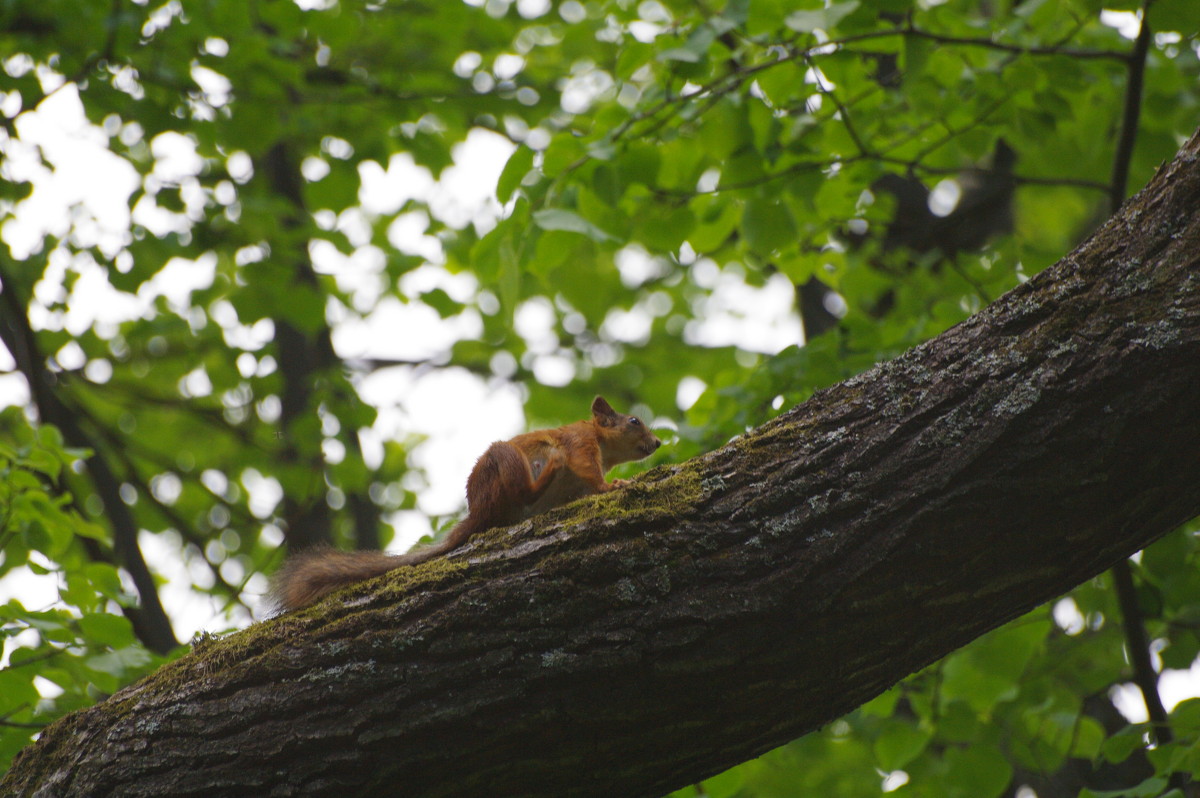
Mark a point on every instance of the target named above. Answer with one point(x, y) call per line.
point(149, 620)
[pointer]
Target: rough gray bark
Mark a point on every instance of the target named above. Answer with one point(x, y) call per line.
point(642, 640)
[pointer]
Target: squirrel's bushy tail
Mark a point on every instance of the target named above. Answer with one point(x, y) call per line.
point(314, 573)
point(311, 574)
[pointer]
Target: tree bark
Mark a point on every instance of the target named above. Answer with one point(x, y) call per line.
point(638, 641)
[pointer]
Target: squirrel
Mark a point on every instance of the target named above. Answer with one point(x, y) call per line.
point(513, 480)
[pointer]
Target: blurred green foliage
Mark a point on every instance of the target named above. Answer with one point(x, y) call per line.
point(663, 153)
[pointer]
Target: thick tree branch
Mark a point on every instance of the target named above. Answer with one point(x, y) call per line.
point(638, 641)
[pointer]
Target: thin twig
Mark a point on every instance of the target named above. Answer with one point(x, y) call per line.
point(54, 652)
point(1055, 50)
point(1138, 647)
point(1132, 111)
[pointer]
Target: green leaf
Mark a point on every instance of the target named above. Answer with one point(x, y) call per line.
point(916, 55)
point(768, 226)
point(1088, 738)
point(564, 151)
point(519, 164)
point(120, 662)
point(49, 436)
point(55, 625)
point(16, 690)
point(105, 579)
point(823, 18)
point(641, 164)
point(725, 128)
point(979, 771)
point(553, 250)
point(1185, 717)
point(664, 230)
point(107, 629)
point(1181, 651)
point(987, 672)
point(1152, 787)
point(440, 301)
point(899, 743)
point(1119, 746)
point(1175, 15)
point(882, 705)
point(607, 184)
point(694, 50)
point(717, 219)
point(727, 785)
point(571, 222)
point(337, 191)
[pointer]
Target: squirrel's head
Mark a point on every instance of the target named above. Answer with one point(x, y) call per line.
point(622, 438)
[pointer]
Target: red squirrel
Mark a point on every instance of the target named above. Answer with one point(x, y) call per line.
point(511, 481)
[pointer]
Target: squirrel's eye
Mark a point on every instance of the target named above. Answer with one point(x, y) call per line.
point(635, 421)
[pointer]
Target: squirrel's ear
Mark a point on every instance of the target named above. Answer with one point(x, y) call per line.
point(602, 409)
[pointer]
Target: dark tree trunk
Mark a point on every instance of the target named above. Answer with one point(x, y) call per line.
point(305, 357)
point(639, 641)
